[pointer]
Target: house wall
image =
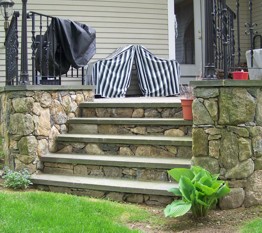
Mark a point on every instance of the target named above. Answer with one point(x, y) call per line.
point(117, 23)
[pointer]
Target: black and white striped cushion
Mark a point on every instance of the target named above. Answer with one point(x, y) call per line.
point(157, 77)
point(112, 75)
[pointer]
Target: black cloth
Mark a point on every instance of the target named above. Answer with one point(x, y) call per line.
point(65, 43)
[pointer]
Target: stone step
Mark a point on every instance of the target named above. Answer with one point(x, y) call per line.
point(131, 145)
point(116, 189)
point(135, 168)
point(131, 110)
point(117, 161)
point(125, 139)
point(142, 126)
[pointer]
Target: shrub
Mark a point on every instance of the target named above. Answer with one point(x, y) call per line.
point(16, 179)
point(199, 189)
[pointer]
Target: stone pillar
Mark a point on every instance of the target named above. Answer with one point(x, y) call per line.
point(227, 135)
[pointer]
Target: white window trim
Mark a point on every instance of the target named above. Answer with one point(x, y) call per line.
point(171, 29)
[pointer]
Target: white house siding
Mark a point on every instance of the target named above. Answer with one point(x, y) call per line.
point(117, 23)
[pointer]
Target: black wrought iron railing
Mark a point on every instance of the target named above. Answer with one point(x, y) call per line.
point(11, 44)
point(47, 60)
point(224, 52)
point(45, 67)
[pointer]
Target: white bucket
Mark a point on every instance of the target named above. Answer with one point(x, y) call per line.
point(255, 72)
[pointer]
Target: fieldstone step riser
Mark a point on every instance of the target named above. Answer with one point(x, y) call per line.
point(176, 131)
point(114, 112)
point(142, 174)
point(159, 151)
point(150, 200)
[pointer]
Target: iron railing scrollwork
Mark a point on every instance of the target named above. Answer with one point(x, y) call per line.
point(46, 53)
point(43, 70)
point(220, 46)
point(11, 45)
point(251, 30)
point(257, 37)
point(223, 38)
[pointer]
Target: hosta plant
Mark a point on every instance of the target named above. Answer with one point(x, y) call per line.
point(200, 190)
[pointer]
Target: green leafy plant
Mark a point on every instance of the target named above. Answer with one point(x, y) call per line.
point(16, 179)
point(199, 189)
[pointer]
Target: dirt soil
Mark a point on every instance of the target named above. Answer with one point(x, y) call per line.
point(218, 221)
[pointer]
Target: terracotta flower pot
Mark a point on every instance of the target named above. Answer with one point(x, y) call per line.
point(187, 109)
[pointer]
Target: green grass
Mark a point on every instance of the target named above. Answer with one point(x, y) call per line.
point(31, 212)
point(254, 226)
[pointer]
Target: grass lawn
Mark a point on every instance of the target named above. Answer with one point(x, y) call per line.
point(51, 212)
point(254, 226)
point(44, 212)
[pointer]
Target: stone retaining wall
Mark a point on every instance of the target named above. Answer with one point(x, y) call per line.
point(134, 112)
point(164, 151)
point(227, 136)
point(32, 116)
point(142, 174)
point(171, 131)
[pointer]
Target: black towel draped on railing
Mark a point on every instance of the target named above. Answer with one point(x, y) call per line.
point(59, 47)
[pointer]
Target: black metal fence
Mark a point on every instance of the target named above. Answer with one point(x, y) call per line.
point(223, 38)
point(46, 58)
point(222, 51)
point(45, 68)
point(11, 44)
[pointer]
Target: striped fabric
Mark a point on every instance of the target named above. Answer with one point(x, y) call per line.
point(157, 77)
point(112, 76)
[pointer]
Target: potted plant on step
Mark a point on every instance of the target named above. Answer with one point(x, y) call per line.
point(186, 93)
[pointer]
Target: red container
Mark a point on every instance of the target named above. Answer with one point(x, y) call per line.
point(187, 109)
point(240, 75)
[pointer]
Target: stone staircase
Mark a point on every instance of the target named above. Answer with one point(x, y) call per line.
point(120, 151)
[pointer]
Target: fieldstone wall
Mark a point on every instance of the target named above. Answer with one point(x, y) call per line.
point(32, 116)
point(165, 151)
point(142, 174)
point(227, 136)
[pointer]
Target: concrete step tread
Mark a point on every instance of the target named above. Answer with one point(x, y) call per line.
point(136, 121)
point(126, 139)
point(117, 161)
point(105, 184)
point(127, 104)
